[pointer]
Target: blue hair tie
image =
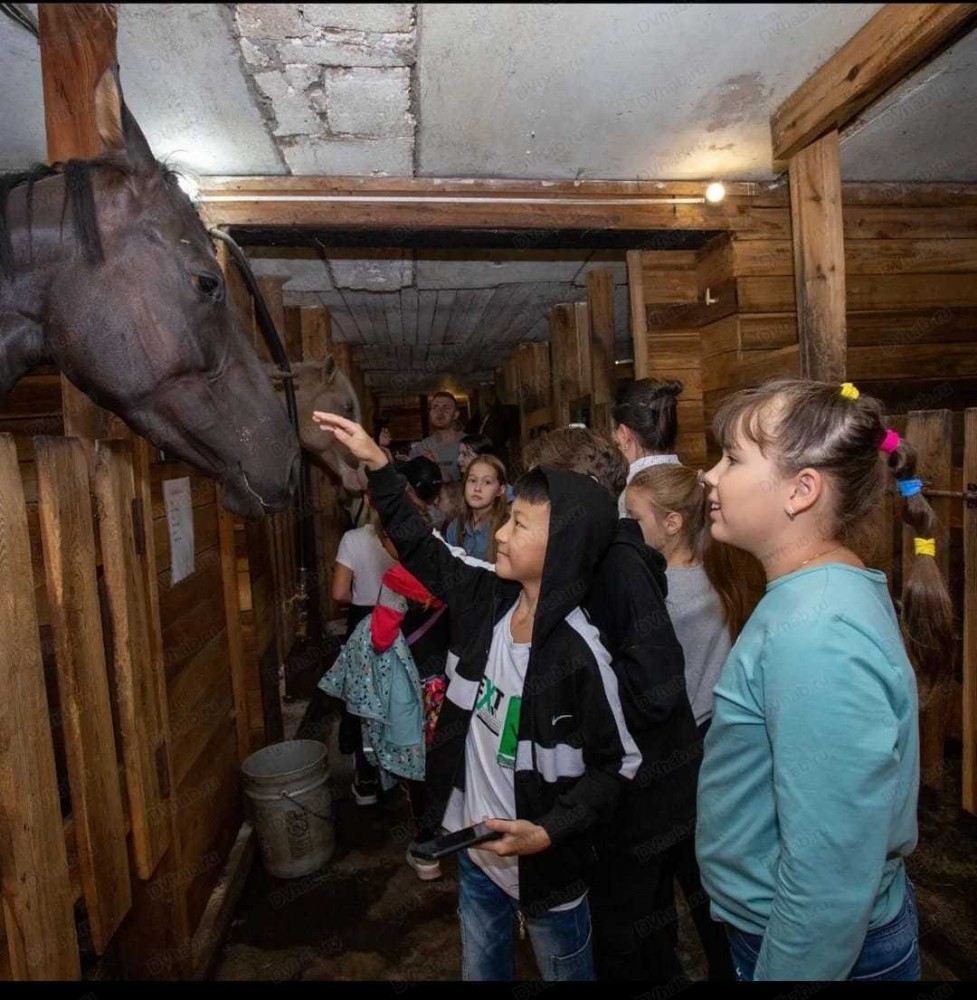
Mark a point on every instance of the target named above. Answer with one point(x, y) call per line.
point(910, 487)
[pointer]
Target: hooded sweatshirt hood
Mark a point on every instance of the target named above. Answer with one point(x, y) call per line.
point(583, 521)
point(629, 534)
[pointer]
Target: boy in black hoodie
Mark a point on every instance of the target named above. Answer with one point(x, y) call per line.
point(650, 839)
point(532, 736)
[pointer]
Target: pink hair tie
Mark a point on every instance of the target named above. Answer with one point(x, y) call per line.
point(891, 441)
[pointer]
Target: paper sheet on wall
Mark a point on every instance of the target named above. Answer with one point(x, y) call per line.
point(179, 517)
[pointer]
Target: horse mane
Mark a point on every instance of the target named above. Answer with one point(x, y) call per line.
point(79, 194)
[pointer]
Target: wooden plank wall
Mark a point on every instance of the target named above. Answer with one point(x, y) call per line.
point(911, 306)
point(528, 372)
point(911, 314)
point(570, 368)
point(197, 771)
point(665, 327)
point(68, 535)
point(38, 918)
point(34, 407)
point(199, 690)
point(575, 369)
point(196, 774)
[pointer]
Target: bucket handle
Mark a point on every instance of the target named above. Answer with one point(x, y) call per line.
point(291, 798)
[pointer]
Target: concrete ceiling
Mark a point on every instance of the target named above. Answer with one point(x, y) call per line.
point(555, 91)
point(665, 91)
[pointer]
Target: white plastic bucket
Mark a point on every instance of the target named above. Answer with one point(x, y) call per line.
point(286, 784)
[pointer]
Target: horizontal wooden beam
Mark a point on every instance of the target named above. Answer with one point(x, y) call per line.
point(426, 212)
point(897, 40)
point(434, 203)
point(899, 194)
point(275, 184)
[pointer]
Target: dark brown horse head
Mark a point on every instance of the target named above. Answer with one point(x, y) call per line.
point(129, 302)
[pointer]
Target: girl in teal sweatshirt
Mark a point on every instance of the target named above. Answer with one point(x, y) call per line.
point(809, 781)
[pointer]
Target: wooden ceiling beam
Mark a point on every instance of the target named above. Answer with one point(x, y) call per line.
point(410, 203)
point(413, 212)
point(894, 43)
point(475, 187)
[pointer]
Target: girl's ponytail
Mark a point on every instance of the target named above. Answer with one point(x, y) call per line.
point(927, 610)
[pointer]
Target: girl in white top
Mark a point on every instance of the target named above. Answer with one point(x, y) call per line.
point(361, 561)
point(645, 425)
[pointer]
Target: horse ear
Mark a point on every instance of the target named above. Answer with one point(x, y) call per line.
point(328, 368)
point(108, 111)
point(117, 129)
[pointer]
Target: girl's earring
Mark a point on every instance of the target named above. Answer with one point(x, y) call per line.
point(791, 513)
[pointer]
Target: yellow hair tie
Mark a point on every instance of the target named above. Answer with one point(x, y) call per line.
point(925, 546)
point(849, 391)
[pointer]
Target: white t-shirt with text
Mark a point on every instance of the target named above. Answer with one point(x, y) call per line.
point(490, 754)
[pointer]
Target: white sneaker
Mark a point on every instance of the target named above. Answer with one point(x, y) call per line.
point(426, 869)
point(364, 792)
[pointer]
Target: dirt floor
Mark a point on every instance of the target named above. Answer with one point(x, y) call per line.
point(366, 915)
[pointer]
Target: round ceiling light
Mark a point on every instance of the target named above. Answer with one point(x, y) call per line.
point(715, 193)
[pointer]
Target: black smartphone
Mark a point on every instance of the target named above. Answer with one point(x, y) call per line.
point(449, 843)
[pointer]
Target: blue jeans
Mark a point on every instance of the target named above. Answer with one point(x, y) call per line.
point(890, 952)
point(561, 941)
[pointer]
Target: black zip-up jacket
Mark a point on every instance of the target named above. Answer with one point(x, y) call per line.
point(627, 604)
point(574, 750)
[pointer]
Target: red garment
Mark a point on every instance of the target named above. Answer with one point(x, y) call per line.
point(385, 621)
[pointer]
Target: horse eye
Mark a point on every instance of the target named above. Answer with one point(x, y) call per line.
point(209, 286)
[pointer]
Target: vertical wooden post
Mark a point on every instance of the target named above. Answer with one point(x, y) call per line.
point(583, 370)
point(931, 434)
point(639, 318)
point(819, 259)
point(541, 375)
point(600, 298)
point(970, 618)
point(316, 333)
point(232, 612)
point(270, 287)
point(562, 346)
point(77, 45)
point(37, 900)
point(522, 369)
point(292, 336)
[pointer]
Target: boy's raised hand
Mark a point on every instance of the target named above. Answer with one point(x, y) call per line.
point(351, 434)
